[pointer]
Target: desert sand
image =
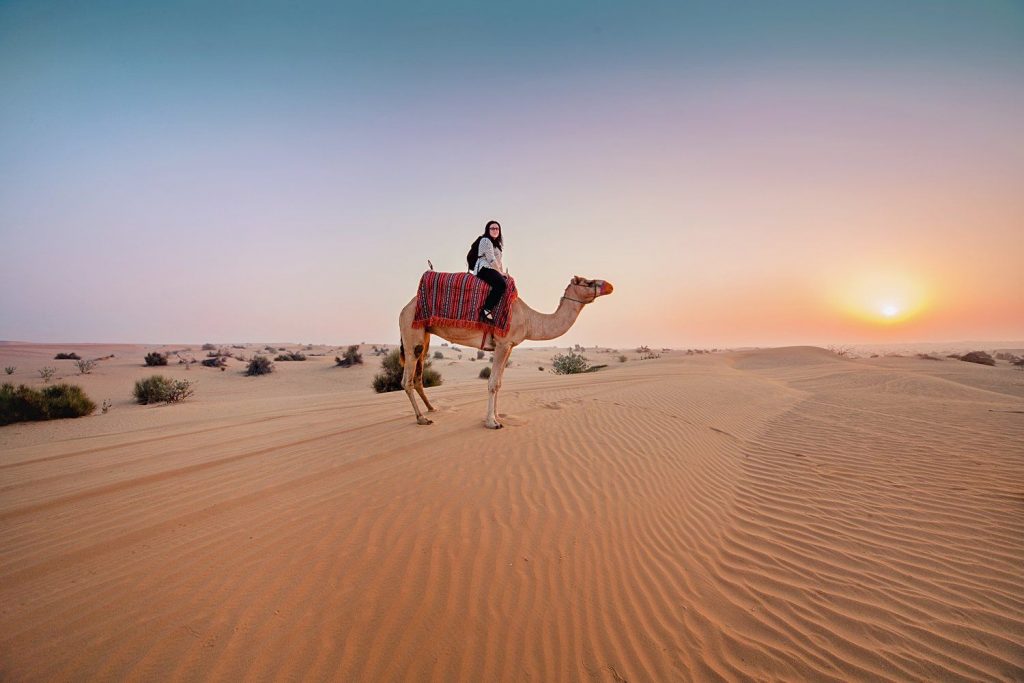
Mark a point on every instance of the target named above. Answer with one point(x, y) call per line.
point(782, 514)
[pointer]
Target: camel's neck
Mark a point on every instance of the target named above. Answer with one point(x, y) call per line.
point(540, 326)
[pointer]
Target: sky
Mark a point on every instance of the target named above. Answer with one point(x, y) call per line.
point(744, 173)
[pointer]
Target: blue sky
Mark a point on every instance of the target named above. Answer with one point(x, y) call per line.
point(282, 171)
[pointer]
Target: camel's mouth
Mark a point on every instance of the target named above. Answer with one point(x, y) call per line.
point(606, 288)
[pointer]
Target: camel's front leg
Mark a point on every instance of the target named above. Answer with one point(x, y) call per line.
point(501, 354)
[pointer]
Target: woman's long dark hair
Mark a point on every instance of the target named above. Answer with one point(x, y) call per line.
point(496, 242)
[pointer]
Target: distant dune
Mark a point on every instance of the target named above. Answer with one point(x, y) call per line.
point(778, 514)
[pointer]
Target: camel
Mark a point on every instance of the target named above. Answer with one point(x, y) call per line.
point(525, 323)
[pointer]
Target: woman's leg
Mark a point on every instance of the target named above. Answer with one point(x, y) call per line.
point(497, 282)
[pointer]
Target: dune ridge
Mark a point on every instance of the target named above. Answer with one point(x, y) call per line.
point(777, 514)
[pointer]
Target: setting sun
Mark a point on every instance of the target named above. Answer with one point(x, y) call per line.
point(882, 297)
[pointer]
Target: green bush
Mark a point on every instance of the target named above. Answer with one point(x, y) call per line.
point(351, 357)
point(160, 389)
point(979, 357)
point(291, 355)
point(259, 365)
point(390, 376)
point(569, 363)
point(156, 358)
point(26, 404)
point(485, 372)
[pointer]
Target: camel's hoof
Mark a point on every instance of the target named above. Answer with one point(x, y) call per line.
point(424, 421)
point(496, 425)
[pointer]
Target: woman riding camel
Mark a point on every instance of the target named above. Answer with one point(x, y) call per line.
point(489, 268)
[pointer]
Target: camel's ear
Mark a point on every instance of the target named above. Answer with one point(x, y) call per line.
point(576, 280)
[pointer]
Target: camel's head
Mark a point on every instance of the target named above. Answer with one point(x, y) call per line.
point(587, 290)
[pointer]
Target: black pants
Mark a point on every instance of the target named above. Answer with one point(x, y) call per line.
point(497, 282)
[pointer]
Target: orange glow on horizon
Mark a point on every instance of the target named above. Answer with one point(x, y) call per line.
point(883, 298)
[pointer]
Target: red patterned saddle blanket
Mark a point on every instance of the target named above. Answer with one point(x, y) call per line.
point(455, 300)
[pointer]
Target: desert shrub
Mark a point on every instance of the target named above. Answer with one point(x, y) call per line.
point(351, 357)
point(541, 368)
point(26, 404)
point(85, 366)
point(47, 372)
point(291, 355)
point(926, 356)
point(622, 359)
point(390, 376)
point(209, 347)
point(259, 365)
point(479, 354)
point(485, 372)
point(215, 362)
point(67, 356)
point(160, 389)
point(156, 358)
point(438, 355)
point(979, 357)
point(569, 363)
point(10, 369)
point(1019, 363)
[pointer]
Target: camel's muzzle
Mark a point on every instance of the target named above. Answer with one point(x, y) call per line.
point(606, 288)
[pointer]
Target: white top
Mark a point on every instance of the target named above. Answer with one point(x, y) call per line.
point(489, 256)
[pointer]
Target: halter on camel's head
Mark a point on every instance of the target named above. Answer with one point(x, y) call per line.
point(586, 290)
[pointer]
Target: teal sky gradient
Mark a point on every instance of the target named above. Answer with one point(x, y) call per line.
point(197, 171)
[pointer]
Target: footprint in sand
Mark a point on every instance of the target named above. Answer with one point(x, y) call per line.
point(512, 420)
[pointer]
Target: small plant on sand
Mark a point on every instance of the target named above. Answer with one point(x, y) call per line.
point(622, 359)
point(1019, 363)
point(10, 369)
point(160, 389)
point(390, 376)
point(541, 368)
point(979, 357)
point(85, 366)
point(25, 404)
point(479, 354)
point(291, 355)
point(927, 356)
point(47, 373)
point(259, 365)
point(67, 356)
point(215, 362)
point(485, 372)
point(209, 347)
point(156, 358)
point(438, 355)
point(107, 404)
point(351, 357)
point(569, 363)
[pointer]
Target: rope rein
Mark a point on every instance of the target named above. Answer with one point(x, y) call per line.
point(582, 302)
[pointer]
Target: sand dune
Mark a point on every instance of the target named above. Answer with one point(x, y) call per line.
point(782, 514)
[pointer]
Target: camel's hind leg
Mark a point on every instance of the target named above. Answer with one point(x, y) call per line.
point(412, 358)
point(421, 365)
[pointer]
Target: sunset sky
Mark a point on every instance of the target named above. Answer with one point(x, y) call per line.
point(766, 174)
